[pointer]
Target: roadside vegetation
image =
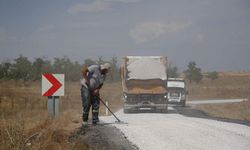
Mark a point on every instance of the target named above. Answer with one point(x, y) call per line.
point(238, 111)
point(172, 71)
point(25, 123)
point(216, 85)
point(227, 86)
point(25, 70)
point(193, 73)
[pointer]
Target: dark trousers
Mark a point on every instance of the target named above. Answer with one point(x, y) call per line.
point(87, 101)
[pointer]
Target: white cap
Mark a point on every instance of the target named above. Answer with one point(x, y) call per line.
point(105, 66)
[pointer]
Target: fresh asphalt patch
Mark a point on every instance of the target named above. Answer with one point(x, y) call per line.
point(190, 111)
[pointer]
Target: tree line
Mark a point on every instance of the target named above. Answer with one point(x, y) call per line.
point(24, 69)
point(193, 73)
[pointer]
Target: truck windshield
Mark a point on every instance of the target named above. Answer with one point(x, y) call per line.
point(175, 84)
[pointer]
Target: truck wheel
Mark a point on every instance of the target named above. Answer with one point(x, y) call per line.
point(183, 103)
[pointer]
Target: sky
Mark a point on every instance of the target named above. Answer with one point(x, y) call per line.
point(213, 33)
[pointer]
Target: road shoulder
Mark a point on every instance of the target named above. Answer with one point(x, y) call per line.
point(190, 111)
point(100, 137)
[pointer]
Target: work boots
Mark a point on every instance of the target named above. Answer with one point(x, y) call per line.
point(95, 121)
point(84, 124)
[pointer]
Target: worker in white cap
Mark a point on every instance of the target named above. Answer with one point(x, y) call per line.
point(92, 82)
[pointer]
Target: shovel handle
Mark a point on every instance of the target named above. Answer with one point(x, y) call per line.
point(110, 110)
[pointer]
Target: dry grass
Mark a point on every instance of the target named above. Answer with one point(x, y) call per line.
point(113, 94)
point(239, 111)
point(23, 113)
point(226, 86)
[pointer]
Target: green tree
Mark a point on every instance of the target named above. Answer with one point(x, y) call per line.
point(58, 65)
point(100, 60)
point(5, 70)
point(75, 71)
point(22, 69)
point(41, 66)
point(193, 73)
point(114, 73)
point(89, 62)
point(212, 75)
point(1, 71)
point(65, 66)
point(172, 71)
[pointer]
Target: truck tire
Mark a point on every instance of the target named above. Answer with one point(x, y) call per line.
point(183, 103)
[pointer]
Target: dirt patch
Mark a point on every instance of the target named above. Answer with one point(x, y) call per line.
point(101, 137)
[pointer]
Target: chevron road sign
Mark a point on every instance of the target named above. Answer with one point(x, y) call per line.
point(53, 87)
point(53, 84)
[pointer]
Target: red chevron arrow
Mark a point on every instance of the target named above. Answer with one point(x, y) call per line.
point(55, 84)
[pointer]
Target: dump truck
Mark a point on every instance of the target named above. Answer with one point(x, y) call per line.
point(144, 83)
point(177, 91)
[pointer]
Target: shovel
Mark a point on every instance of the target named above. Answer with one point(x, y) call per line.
point(118, 120)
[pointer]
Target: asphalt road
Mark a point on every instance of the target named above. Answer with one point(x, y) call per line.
point(181, 128)
point(218, 101)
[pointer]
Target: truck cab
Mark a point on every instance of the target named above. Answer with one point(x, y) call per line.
point(177, 92)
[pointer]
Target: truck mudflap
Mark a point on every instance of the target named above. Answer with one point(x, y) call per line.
point(128, 108)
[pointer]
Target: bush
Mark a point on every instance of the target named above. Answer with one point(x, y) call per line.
point(172, 71)
point(212, 75)
point(193, 73)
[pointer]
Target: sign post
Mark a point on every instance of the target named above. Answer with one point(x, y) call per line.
point(53, 106)
point(53, 87)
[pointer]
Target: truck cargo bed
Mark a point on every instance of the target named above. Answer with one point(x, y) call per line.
point(153, 86)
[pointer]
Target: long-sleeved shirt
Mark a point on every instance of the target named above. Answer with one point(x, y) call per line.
point(95, 77)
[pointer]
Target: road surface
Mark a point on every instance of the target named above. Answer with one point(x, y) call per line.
point(174, 131)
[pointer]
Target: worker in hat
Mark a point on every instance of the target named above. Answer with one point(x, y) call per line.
point(92, 82)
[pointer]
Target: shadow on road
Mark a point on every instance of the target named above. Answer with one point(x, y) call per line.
point(192, 112)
